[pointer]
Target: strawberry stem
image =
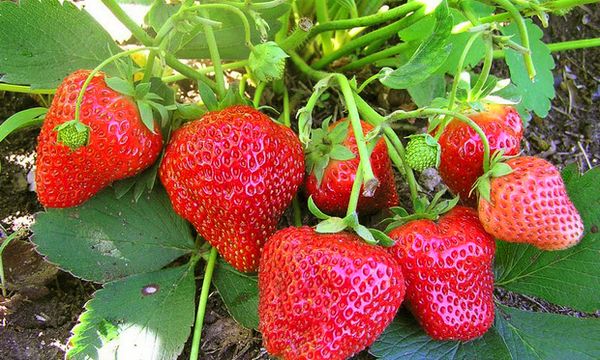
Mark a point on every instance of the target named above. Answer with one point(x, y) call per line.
point(210, 266)
point(8, 240)
point(323, 18)
point(215, 57)
point(485, 71)
point(96, 70)
point(370, 181)
point(354, 195)
point(520, 22)
point(147, 40)
point(25, 89)
point(258, 93)
point(233, 9)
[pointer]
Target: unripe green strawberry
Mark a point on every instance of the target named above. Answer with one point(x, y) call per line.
point(422, 152)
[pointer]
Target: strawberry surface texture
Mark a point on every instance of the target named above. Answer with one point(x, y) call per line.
point(461, 161)
point(119, 145)
point(325, 296)
point(333, 193)
point(232, 174)
point(448, 270)
point(531, 205)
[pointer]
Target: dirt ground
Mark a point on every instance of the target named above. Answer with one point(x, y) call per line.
point(36, 317)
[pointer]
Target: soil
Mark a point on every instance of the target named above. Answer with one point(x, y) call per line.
point(44, 303)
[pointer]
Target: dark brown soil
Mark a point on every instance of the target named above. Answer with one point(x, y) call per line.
point(36, 317)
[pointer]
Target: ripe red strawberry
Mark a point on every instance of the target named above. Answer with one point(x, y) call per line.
point(119, 144)
point(448, 272)
point(461, 160)
point(333, 193)
point(232, 174)
point(325, 296)
point(531, 205)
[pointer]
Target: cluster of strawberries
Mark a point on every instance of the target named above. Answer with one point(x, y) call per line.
point(232, 174)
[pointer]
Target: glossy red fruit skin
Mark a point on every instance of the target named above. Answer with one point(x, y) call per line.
point(333, 195)
point(120, 145)
point(325, 296)
point(531, 205)
point(448, 272)
point(461, 161)
point(232, 174)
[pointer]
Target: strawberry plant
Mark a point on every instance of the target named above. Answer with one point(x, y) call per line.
point(146, 190)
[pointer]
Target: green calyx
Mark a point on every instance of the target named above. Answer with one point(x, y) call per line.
point(498, 168)
point(423, 209)
point(422, 152)
point(332, 225)
point(267, 61)
point(326, 145)
point(73, 134)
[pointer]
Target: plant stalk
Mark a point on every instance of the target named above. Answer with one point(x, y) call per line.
point(210, 266)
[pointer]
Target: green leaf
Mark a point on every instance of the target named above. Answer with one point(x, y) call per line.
point(142, 89)
point(430, 55)
point(536, 95)
point(106, 239)
point(529, 335)
point(340, 152)
point(404, 339)
point(140, 183)
point(427, 90)
point(568, 277)
point(239, 292)
point(22, 119)
point(145, 316)
point(267, 61)
point(418, 32)
point(331, 225)
point(516, 334)
point(120, 85)
point(44, 41)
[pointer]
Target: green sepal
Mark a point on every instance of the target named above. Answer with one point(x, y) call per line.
point(146, 114)
point(424, 209)
point(498, 168)
point(120, 85)
point(331, 225)
point(325, 145)
point(73, 134)
point(312, 207)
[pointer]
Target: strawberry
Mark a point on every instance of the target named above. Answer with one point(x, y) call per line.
point(76, 160)
point(448, 272)
point(461, 160)
point(332, 171)
point(232, 174)
point(531, 205)
point(325, 296)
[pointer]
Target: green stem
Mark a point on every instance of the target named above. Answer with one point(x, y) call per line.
point(253, 5)
point(323, 18)
point(258, 93)
point(210, 266)
point(355, 194)
point(239, 13)
point(383, 54)
point(370, 181)
point(3, 246)
point(562, 46)
point(25, 89)
point(368, 20)
point(426, 112)
point(567, 4)
point(147, 40)
point(213, 49)
point(362, 41)
point(520, 22)
point(459, 69)
point(149, 66)
point(97, 69)
point(305, 68)
point(487, 65)
point(206, 70)
point(394, 145)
